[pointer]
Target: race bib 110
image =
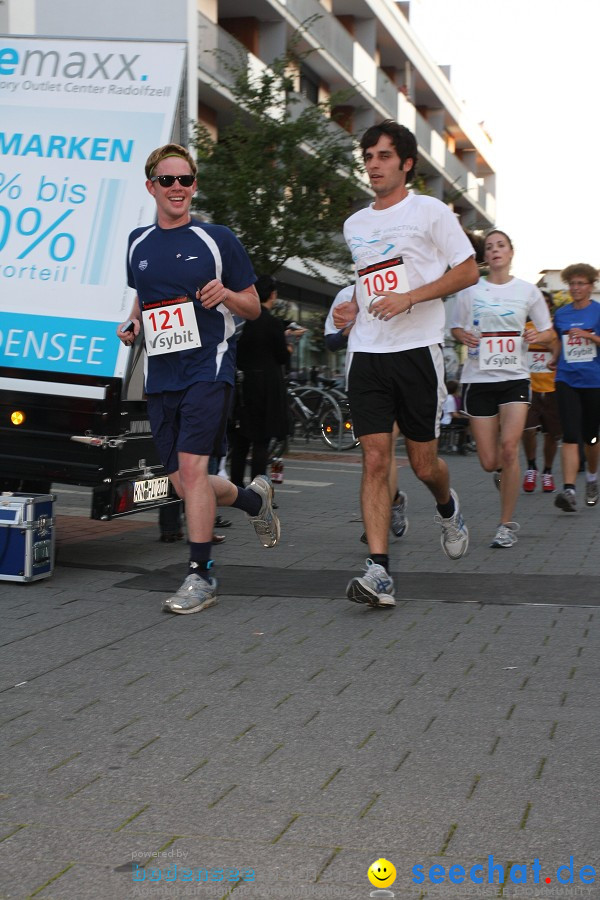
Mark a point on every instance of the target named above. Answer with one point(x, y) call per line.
point(500, 351)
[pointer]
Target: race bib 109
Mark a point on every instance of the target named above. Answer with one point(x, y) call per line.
point(379, 277)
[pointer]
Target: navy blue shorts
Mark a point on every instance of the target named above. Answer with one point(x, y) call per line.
point(190, 421)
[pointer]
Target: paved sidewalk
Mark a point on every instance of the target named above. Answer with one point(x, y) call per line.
point(276, 745)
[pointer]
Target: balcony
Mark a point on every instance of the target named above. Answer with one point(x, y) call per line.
point(331, 36)
point(215, 48)
point(386, 94)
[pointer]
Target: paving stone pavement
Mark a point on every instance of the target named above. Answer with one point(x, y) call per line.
point(274, 746)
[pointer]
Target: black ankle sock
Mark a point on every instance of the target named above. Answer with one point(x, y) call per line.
point(381, 559)
point(569, 487)
point(446, 510)
point(396, 496)
point(200, 561)
point(547, 471)
point(248, 501)
point(531, 464)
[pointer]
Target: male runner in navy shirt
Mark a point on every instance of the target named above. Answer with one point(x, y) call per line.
point(191, 279)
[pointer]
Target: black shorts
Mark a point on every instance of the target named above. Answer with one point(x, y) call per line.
point(483, 401)
point(579, 410)
point(543, 413)
point(190, 421)
point(406, 387)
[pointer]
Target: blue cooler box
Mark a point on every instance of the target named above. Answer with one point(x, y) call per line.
point(26, 536)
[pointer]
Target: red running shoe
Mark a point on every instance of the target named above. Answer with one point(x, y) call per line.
point(530, 481)
point(548, 485)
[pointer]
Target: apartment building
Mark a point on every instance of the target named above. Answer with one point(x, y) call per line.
point(367, 45)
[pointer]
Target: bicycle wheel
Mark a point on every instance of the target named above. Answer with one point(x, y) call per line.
point(337, 430)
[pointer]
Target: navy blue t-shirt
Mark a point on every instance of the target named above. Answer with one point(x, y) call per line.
point(578, 374)
point(165, 263)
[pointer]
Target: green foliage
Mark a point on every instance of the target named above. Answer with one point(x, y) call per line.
point(282, 175)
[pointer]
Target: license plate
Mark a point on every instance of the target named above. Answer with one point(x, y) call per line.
point(150, 489)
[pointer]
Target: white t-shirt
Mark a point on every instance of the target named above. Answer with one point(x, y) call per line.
point(450, 406)
point(401, 248)
point(343, 296)
point(503, 311)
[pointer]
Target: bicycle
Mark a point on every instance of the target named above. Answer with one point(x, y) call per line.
point(315, 413)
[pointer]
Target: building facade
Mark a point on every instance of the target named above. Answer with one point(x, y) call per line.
point(364, 45)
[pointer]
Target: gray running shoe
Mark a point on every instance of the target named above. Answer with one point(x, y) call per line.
point(399, 522)
point(375, 587)
point(566, 500)
point(455, 534)
point(506, 535)
point(398, 519)
point(266, 523)
point(591, 493)
point(194, 595)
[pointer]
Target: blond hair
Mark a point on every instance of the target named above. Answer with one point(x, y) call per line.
point(168, 150)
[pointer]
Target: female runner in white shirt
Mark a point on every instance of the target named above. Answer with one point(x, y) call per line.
point(495, 376)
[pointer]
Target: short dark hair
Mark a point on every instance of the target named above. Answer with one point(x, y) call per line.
point(403, 140)
point(265, 285)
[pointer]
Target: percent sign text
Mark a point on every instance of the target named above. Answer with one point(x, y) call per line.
point(28, 223)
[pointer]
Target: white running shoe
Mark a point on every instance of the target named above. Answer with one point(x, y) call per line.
point(399, 522)
point(591, 493)
point(375, 587)
point(506, 535)
point(194, 595)
point(455, 534)
point(266, 523)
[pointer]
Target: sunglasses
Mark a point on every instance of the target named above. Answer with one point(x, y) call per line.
point(169, 180)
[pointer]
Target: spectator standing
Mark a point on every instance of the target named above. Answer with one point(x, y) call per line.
point(262, 358)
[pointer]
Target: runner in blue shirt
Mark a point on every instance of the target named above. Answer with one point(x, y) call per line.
point(191, 279)
point(577, 362)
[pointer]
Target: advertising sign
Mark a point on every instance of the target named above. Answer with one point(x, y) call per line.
point(78, 119)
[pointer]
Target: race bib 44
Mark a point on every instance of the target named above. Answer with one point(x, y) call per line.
point(577, 349)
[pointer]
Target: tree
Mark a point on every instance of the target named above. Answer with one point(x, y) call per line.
point(282, 175)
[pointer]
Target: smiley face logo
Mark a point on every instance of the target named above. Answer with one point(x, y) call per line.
point(381, 873)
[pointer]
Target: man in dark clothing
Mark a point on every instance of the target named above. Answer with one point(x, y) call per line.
point(263, 352)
